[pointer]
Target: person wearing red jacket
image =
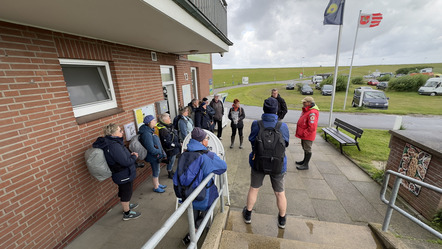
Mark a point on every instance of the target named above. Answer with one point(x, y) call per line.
point(306, 130)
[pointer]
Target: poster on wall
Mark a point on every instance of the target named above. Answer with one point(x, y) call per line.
point(142, 112)
point(130, 131)
point(414, 163)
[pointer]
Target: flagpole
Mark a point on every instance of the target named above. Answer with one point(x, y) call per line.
point(335, 78)
point(352, 56)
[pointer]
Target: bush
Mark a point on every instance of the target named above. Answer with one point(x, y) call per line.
point(407, 83)
point(358, 81)
point(341, 82)
point(437, 220)
point(384, 78)
point(407, 70)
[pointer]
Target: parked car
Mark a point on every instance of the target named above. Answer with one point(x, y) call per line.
point(432, 87)
point(382, 85)
point(317, 79)
point(290, 86)
point(306, 90)
point(370, 99)
point(373, 82)
point(327, 90)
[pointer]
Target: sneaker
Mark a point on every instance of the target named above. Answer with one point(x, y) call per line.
point(186, 240)
point(131, 215)
point(162, 186)
point(281, 221)
point(220, 138)
point(159, 190)
point(133, 205)
point(247, 215)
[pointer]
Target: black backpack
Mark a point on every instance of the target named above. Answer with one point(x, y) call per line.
point(269, 149)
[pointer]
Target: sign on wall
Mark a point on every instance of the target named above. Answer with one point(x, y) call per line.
point(414, 163)
point(130, 131)
point(187, 94)
point(142, 112)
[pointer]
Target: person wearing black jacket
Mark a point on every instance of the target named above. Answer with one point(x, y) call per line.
point(169, 140)
point(202, 118)
point(122, 164)
point(236, 116)
point(282, 106)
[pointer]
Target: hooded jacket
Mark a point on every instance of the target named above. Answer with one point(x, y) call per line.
point(202, 118)
point(120, 161)
point(308, 123)
point(151, 142)
point(282, 107)
point(169, 139)
point(209, 162)
point(269, 120)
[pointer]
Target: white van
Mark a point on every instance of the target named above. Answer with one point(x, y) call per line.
point(432, 87)
point(317, 81)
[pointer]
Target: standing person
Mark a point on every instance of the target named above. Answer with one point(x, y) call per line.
point(196, 157)
point(185, 123)
point(306, 130)
point(202, 117)
point(236, 115)
point(211, 113)
point(194, 104)
point(282, 106)
point(263, 159)
point(122, 165)
point(152, 143)
point(218, 106)
point(169, 140)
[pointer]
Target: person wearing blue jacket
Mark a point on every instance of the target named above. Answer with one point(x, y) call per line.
point(270, 119)
point(155, 153)
point(122, 164)
point(209, 162)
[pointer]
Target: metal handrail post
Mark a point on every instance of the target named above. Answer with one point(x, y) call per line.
point(393, 197)
point(191, 222)
point(221, 194)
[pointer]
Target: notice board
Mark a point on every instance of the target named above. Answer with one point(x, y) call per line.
point(142, 112)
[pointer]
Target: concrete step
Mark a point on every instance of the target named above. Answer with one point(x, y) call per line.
point(311, 232)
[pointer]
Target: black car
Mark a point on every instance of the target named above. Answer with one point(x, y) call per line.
point(327, 90)
point(382, 85)
point(290, 86)
point(306, 90)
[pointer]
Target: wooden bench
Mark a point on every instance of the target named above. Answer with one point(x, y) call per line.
point(343, 138)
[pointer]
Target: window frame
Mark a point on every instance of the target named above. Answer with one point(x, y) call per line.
point(98, 106)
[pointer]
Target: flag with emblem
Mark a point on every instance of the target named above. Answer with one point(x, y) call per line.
point(334, 13)
point(370, 20)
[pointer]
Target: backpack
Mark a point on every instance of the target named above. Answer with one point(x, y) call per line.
point(175, 122)
point(136, 146)
point(96, 164)
point(188, 175)
point(269, 149)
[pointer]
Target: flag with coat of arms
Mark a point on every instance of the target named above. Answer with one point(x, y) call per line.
point(370, 20)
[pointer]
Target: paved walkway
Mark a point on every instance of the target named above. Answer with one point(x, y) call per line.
point(333, 189)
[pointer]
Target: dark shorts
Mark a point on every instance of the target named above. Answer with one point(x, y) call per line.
point(125, 191)
point(276, 180)
point(307, 145)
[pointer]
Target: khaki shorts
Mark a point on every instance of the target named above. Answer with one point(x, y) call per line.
point(277, 181)
point(307, 145)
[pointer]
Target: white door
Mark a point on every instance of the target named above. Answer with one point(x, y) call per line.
point(194, 82)
point(169, 89)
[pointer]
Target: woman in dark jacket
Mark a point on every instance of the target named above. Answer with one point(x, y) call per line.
point(169, 140)
point(202, 118)
point(122, 165)
point(236, 116)
point(152, 143)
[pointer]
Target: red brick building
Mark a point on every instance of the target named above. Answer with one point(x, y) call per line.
point(48, 119)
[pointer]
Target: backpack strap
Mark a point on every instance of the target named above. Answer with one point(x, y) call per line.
point(278, 125)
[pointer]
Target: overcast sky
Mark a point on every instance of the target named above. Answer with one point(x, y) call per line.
point(280, 33)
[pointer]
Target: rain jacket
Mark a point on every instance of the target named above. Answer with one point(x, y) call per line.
point(202, 118)
point(219, 109)
point(169, 139)
point(308, 123)
point(152, 143)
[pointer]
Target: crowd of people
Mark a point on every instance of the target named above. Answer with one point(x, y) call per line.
point(163, 141)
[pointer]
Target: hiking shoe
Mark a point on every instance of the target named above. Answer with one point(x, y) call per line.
point(159, 190)
point(131, 216)
point(186, 240)
point(170, 174)
point(162, 186)
point(281, 221)
point(133, 205)
point(247, 215)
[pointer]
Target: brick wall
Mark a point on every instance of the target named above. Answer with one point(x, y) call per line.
point(47, 196)
point(428, 201)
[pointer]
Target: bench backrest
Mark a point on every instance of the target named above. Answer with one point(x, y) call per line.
point(348, 127)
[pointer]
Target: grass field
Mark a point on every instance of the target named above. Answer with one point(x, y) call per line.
point(400, 102)
point(227, 76)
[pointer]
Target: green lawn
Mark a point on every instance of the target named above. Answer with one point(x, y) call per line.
point(400, 102)
point(225, 77)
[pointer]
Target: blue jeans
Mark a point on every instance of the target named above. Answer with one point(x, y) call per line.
point(155, 168)
point(171, 162)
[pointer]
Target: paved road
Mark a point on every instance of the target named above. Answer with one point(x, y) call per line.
point(362, 120)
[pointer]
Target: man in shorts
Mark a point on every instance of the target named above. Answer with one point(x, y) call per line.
point(270, 119)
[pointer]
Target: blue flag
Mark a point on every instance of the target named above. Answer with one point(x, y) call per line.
point(334, 13)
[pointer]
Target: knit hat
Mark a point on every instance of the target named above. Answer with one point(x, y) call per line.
point(308, 99)
point(205, 99)
point(148, 118)
point(270, 105)
point(198, 134)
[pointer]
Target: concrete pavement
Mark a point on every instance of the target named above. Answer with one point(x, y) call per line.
point(332, 190)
